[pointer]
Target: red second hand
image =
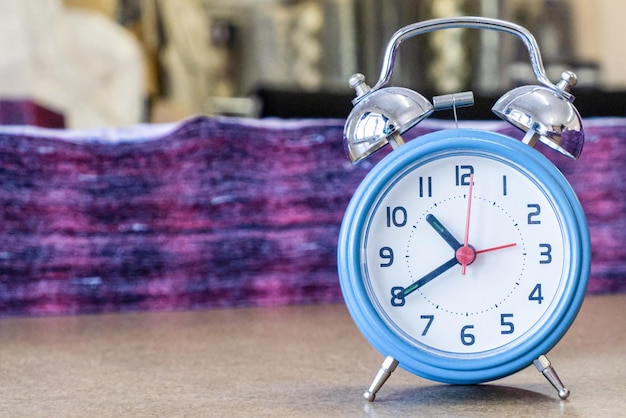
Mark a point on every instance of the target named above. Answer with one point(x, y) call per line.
point(499, 247)
point(467, 220)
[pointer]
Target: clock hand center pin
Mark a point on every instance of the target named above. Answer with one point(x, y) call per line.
point(465, 255)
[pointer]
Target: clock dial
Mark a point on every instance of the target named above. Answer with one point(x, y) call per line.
point(464, 253)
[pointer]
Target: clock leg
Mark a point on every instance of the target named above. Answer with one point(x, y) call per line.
point(545, 367)
point(388, 366)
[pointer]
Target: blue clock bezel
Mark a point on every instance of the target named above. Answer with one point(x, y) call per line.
point(462, 369)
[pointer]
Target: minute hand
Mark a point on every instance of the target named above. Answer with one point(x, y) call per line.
point(427, 278)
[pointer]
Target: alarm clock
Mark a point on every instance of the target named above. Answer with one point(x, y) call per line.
point(463, 255)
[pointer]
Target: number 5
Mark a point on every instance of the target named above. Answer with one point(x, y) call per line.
point(509, 325)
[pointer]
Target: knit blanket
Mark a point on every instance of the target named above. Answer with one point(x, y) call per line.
point(219, 212)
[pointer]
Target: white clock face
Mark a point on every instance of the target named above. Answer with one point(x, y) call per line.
point(457, 272)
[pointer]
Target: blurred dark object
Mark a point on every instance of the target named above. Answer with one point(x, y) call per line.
point(299, 104)
point(26, 112)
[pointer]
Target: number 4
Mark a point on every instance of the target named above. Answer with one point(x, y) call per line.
point(535, 295)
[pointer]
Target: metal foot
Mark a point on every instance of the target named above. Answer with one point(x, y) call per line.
point(388, 366)
point(545, 367)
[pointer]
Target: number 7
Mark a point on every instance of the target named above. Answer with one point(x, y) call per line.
point(430, 321)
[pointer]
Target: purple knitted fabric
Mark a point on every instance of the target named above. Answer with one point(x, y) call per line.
point(218, 213)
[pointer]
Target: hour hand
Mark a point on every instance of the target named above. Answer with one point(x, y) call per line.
point(443, 232)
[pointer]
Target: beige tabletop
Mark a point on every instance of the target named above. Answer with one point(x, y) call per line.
point(288, 361)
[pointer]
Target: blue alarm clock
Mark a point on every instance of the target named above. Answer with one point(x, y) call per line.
point(464, 255)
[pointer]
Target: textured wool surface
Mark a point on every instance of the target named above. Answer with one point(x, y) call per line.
point(219, 213)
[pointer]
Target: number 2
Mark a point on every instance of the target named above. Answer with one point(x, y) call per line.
point(533, 214)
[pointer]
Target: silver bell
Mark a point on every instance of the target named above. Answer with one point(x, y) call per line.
point(545, 116)
point(380, 116)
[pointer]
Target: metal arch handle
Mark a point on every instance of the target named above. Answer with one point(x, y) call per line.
point(471, 22)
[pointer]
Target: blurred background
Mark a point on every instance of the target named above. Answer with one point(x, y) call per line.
point(202, 218)
point(119, 62)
